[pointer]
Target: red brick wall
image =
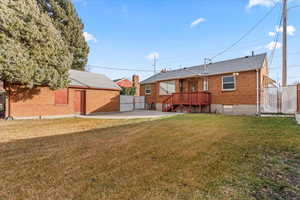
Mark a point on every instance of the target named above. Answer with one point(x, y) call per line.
point(102, 101)
point(245, 92)
point(298, 87)
point(40, 101)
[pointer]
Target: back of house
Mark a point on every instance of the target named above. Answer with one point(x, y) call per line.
point(87, 93)
point(231, 86)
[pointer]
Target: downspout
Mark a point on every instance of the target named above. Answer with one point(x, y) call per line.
point(257, 93)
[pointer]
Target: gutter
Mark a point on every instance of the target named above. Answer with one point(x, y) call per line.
point(257, 92)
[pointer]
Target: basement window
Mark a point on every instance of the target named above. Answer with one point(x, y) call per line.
point(228, 83)
point(166, 87)
point(147, 89)
point(61, 97)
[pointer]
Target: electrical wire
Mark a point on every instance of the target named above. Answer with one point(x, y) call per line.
point(276, 41)
point(119, 68)
point(246, 34)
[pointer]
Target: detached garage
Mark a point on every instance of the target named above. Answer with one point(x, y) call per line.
point(88, 93)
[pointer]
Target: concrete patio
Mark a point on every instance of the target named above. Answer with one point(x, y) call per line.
point(137, 114)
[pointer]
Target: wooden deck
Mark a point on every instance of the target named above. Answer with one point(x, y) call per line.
point(186, 99)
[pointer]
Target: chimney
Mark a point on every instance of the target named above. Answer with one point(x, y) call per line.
point(164, 70)
point(136, 84)
point(252, 53)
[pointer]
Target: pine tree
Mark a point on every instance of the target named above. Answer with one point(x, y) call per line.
point(68, 22)
point(32, 51)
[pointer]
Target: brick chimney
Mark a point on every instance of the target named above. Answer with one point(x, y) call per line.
point(136, 84)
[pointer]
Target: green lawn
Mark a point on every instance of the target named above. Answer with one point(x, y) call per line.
point(191, 156)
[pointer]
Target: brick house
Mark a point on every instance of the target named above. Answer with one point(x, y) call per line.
point(87, 93)
point(231, 86)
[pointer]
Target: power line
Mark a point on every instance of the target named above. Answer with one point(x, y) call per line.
point(246, 34)
point(276, 41)
point(119, 68)
point(290, 66)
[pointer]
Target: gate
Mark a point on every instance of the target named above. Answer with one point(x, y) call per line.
point(270, 100)
point(130, 103)
point(279, 100)
point(289, 100)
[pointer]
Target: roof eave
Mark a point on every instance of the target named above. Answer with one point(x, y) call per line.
point(200, 75)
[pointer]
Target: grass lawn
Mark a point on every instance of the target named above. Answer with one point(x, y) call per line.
point(184, 157)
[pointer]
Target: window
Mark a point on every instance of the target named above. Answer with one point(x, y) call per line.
point(166, 88)
point(205, 84)
point(193, 84)
point(147, 89)
point(61, 97)
point(228, 83)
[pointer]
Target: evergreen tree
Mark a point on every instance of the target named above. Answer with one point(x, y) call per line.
point(68, 22)
point(32, 51)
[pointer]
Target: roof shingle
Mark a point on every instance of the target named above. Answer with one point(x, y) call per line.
point(247, 63)
point(91, 80)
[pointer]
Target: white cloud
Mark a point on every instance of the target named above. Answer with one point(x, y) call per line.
point(267, 3)
point(197, 21)
point(290, 30)
point(273, 45)
point(152, 55)
point(272, 34)
point(89, 37)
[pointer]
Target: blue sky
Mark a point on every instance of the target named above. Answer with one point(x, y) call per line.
point(127, 33)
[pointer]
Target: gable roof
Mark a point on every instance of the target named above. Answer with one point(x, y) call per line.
point(121, 79)
point(91, 80)
point(247, 63)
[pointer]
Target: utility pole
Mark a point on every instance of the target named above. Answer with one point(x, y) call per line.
point(154, 63)
point(284, 43)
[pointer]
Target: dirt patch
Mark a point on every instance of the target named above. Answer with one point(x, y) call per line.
point(280, 177)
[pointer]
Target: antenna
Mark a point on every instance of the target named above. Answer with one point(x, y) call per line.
point(154, 63)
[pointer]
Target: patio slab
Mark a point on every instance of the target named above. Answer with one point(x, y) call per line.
point(137, 114)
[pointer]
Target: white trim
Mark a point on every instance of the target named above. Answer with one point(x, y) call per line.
point(257, 93)
point(234, 82)
point(205, 84)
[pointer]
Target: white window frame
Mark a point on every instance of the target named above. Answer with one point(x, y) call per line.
point(234, 82)
point(148, 89)
point(159, 91)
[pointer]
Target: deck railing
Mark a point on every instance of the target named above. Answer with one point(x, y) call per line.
point(188, 99)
